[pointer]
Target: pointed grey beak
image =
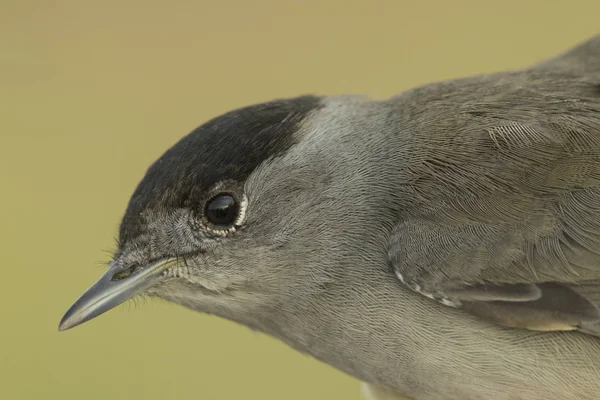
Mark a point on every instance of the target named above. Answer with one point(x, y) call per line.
point(115, 287)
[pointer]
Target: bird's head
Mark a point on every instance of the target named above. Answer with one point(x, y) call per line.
point(257, 210)
point(207, 224)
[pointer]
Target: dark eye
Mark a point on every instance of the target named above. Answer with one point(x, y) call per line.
point(222, 210)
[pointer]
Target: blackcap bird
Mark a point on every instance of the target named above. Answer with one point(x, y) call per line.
point(442, 244)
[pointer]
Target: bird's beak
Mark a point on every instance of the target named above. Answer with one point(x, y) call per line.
point(115, 287)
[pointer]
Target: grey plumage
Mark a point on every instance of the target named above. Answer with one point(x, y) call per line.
point(511, 196)
point(482, 193)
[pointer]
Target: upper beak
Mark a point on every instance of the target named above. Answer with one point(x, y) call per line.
point(113, 288)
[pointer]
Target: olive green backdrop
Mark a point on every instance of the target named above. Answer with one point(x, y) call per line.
point(91, 92)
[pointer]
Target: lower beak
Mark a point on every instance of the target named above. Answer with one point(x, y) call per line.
point(113, 288)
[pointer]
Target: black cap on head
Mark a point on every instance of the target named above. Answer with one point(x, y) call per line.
point(228, 147)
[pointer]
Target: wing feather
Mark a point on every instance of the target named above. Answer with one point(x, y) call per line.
point(507, 203)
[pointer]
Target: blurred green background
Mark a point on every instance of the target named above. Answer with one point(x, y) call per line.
point(92, 92)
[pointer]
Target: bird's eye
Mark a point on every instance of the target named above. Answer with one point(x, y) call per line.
point(222, 210)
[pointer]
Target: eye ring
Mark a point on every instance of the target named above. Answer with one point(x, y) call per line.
point(222, 211)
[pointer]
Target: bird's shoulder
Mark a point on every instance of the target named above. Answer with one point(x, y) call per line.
point(505, 193)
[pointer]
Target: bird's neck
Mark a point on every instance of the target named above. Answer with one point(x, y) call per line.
point(339, 326)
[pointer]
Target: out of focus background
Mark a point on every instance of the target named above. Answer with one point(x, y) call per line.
point(91, 92)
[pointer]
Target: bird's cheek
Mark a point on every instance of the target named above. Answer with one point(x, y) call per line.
point(216, 278)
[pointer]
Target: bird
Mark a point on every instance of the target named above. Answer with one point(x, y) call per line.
point(439, 244)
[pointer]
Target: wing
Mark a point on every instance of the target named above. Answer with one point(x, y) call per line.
point(505, 220)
